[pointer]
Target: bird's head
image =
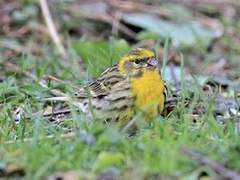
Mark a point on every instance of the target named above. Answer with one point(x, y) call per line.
point(137, 62)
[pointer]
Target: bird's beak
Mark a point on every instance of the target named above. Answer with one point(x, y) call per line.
point(152, 62)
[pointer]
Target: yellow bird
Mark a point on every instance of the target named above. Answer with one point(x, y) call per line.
point(134, 84)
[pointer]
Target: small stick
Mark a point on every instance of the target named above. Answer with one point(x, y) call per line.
point(207, 2)
point(52, 29)
point(217, 167)
point(53, 78)
point(129, 124)
point(83, 135)
point(42, 83)
point(130, 6)
point(115, 24)
point(15, 68)
point(67, 136)
point(55, 113)
point(102, 17)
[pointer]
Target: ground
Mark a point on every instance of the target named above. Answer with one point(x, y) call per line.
point(198, 46)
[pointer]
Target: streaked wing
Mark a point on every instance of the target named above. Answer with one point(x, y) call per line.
point(110, 96)
point(103, 85)
point(94, 89)
point(114, 106)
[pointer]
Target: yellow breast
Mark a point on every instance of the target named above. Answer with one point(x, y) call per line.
point(149, 92)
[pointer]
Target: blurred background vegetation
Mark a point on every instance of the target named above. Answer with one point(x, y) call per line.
point(55, 46)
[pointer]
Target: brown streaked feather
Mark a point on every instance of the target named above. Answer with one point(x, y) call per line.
point(110, 95)
point(101, 86)
point(165, 92)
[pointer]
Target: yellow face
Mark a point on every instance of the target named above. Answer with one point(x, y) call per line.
point(138, 61)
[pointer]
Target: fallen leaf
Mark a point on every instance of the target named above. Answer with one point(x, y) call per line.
point(184, 34)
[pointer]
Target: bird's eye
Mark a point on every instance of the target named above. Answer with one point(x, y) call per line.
point(137, 61)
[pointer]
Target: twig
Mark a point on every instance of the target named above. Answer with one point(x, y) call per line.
point(42, 83)
point(207, 2)
point(83, 135)
point(101, 17)
point(115, 24)
point(55, 113)
point(13, 67)
point(135, 6)
point(67, 136)
point(52, 29)
point(50, 77)
point(130, 124)
point(217, 167)
point(39, 28)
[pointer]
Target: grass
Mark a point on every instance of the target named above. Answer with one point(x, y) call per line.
point(152, 153)
point(41, 148)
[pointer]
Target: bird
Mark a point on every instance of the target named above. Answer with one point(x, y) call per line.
point(132, 85)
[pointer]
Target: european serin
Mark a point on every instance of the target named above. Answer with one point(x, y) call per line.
point(134, 84)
